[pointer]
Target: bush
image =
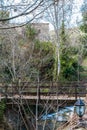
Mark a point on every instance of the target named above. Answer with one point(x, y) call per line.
point(2, 108)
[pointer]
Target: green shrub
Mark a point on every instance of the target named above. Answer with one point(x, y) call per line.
point(2, 109)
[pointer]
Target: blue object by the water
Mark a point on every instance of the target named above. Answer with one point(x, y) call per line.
point(60, 116)
point(70, 108)
point(48, 116)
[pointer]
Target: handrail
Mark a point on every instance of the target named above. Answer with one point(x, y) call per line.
point(52, 88)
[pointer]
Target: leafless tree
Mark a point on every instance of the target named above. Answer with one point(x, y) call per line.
point(55, 14)
point(32, 11)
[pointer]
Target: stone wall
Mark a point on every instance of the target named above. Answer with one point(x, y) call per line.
point(41, 28)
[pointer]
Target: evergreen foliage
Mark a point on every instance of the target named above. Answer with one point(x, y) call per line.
point(2, 109)
point(46, 60)
point(4, 14)
point(27, 58)
point(31, 32)
point(68, 58)
point(83, 28)
point(43, 56)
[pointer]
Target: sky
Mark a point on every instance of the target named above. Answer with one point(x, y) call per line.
point(76, 14)
point(76, 17)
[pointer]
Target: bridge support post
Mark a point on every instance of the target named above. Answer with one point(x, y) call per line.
point(39, 93)
point(76, 92)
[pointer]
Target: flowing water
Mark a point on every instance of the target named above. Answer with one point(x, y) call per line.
point(52, 120)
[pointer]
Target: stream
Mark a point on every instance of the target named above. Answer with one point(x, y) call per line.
point(47, 121)
point(57, 119)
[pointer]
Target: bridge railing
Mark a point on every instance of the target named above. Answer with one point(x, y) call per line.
point(45, 88)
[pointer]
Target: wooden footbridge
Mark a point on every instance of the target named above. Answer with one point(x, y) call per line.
point(43, 91)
